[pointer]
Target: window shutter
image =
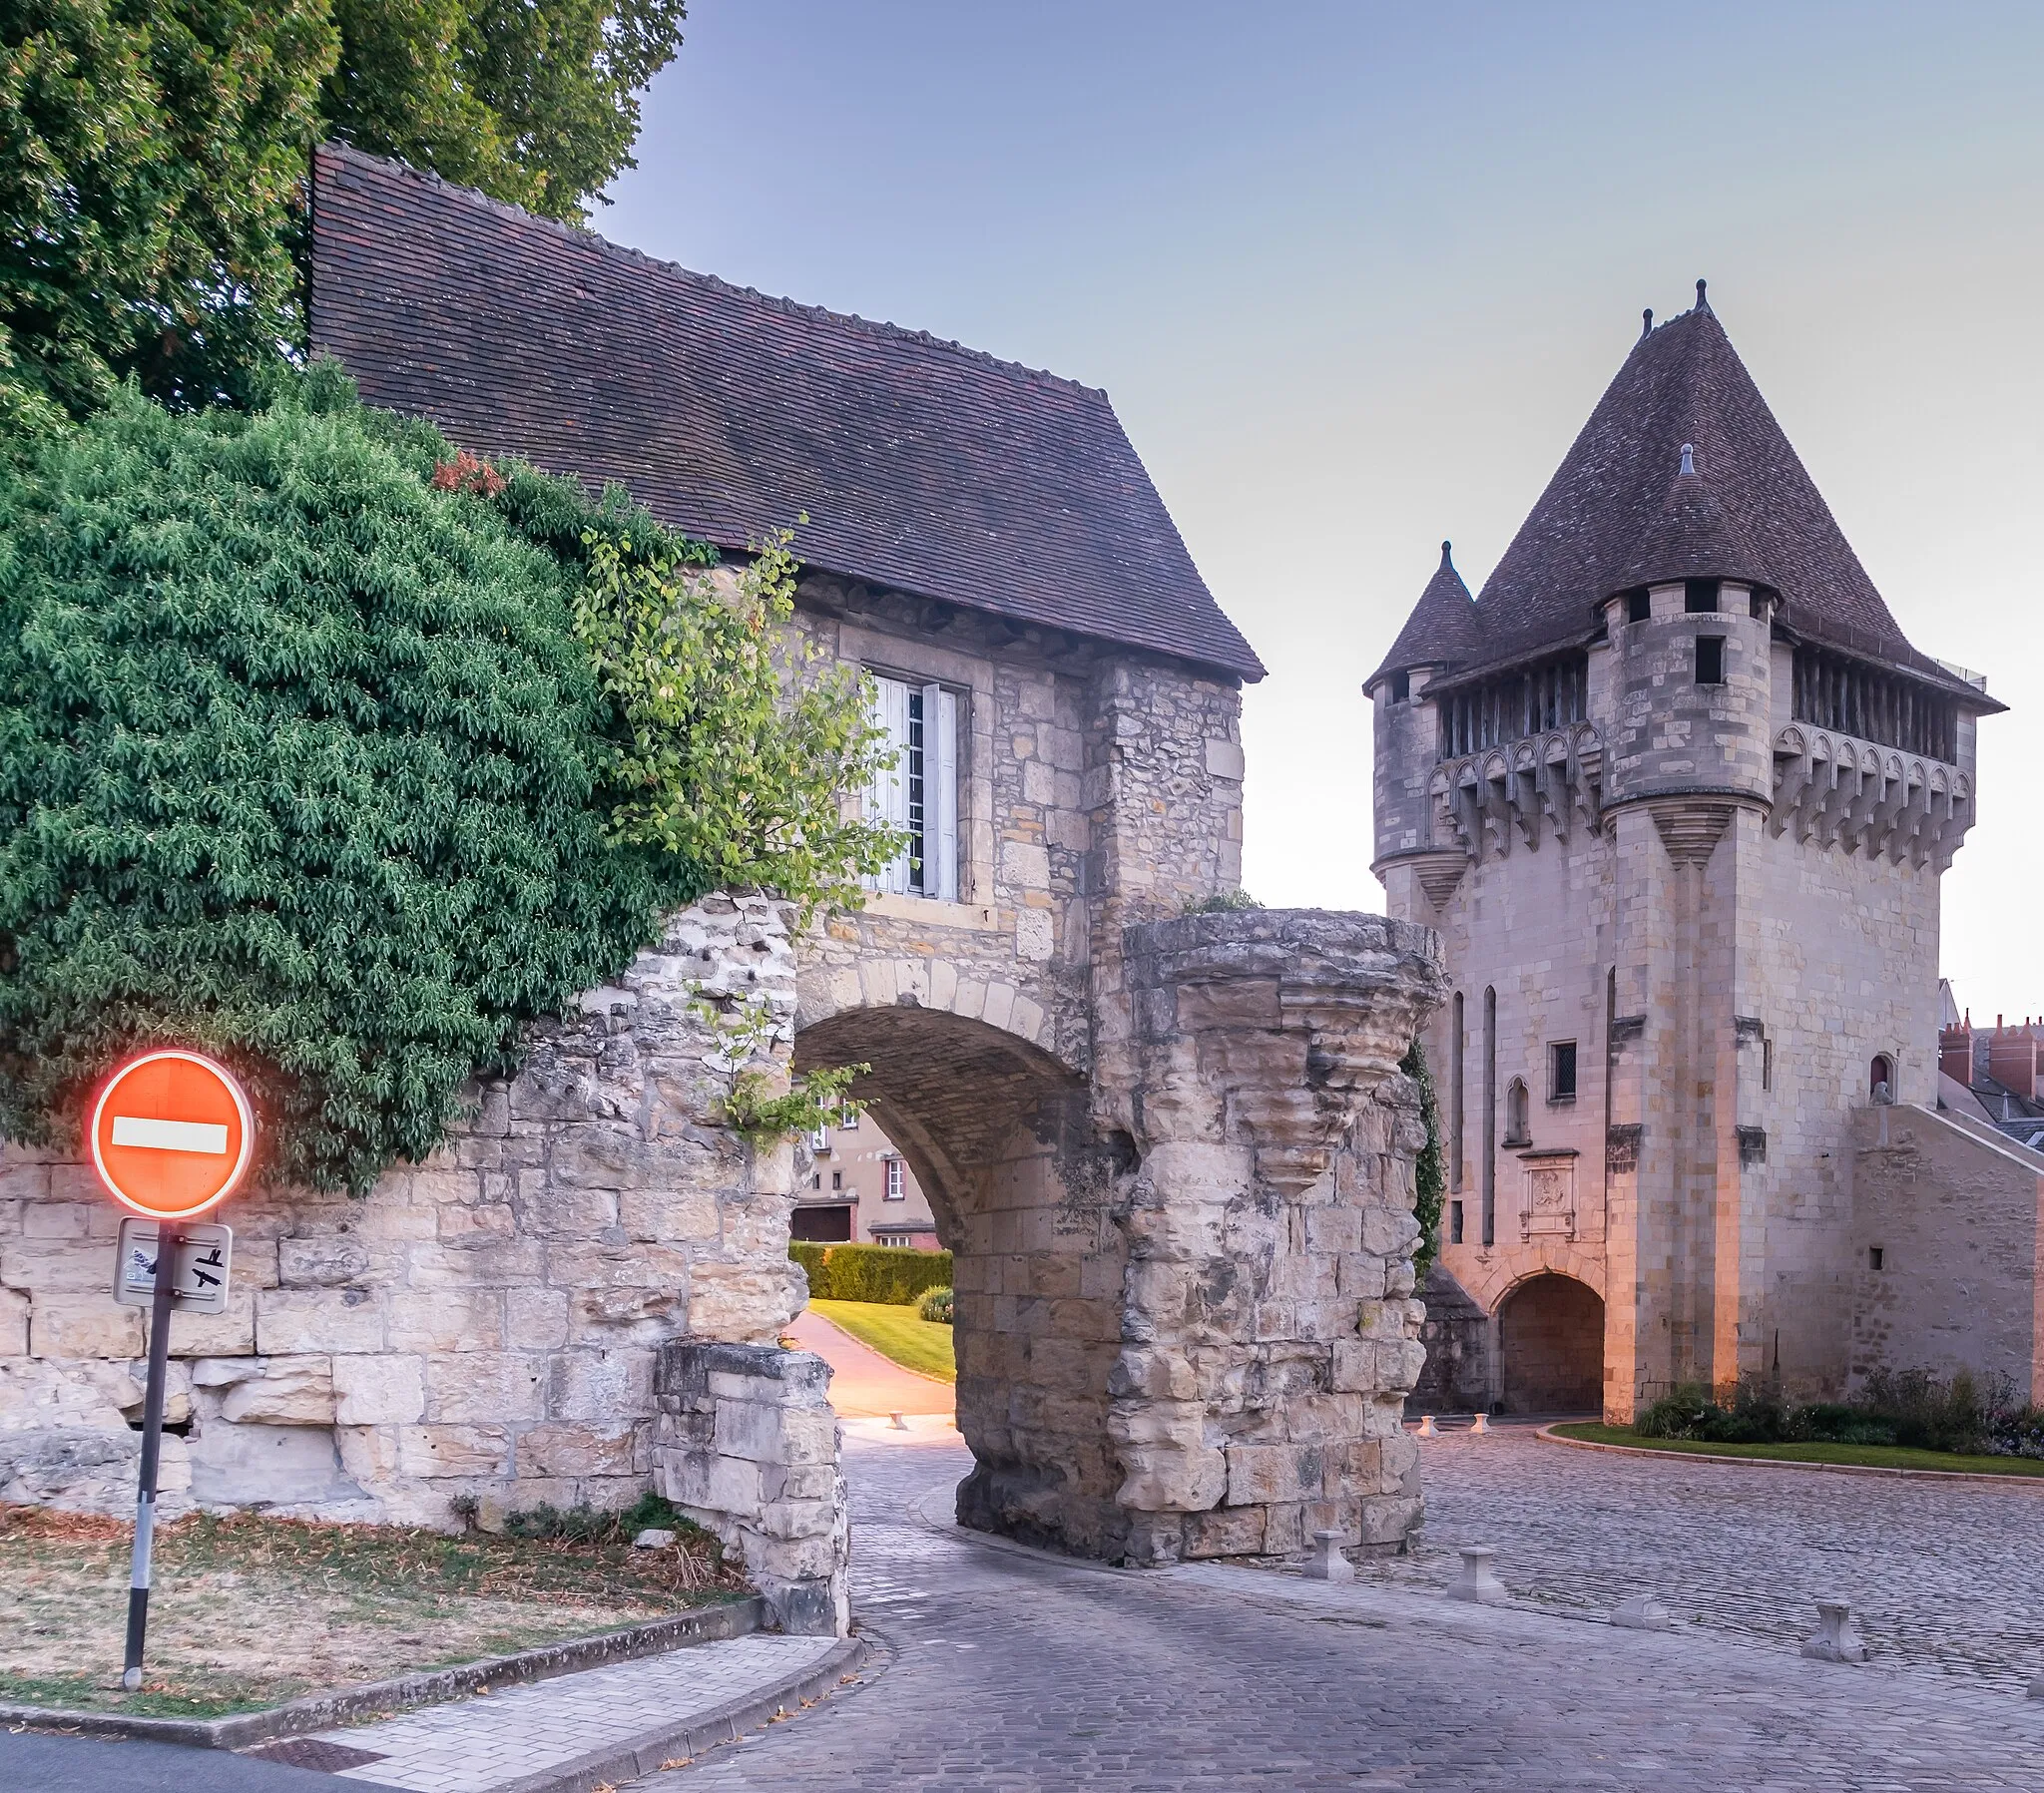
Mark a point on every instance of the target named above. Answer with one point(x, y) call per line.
point(889, 799)
point(940, 789)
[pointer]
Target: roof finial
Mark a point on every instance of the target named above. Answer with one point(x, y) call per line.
point(1703, 304)
point(1447, 547)
point(1689, 457)
point(1647, 321)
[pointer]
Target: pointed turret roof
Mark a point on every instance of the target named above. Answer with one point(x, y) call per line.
point(1691, 536)
point(1684, 383)
point(1443, 628)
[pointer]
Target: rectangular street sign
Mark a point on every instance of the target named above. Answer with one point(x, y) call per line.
point(198, 1278)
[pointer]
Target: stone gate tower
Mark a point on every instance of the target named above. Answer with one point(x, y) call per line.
point(1677, 795)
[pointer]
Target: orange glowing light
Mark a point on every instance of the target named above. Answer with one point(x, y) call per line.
point(172, 1132)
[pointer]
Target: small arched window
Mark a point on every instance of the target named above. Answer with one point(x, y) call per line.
point(1880, 1078)
point(1518, 1124)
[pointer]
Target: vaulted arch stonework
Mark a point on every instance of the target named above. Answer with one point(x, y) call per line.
point(1181, 1270)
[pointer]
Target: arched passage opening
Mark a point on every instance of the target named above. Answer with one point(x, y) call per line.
point(1551, 1346)
point(997, 1132)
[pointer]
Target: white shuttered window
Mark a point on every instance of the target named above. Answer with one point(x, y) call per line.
point(919, 795)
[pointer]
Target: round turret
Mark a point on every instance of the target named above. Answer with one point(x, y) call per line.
point(1692, 678)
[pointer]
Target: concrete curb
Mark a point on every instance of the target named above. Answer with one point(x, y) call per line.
point(375, 1699)
point(2029, 1483)
point(646, 1752)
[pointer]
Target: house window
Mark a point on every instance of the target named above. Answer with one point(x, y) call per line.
point(1881, 1077)
point(1877, 1259)
point(1455, 1223)
point(819, 1142)
point(847, 1120)
point(1698, 595)
point(1402, 686)
point(1561, 1071)
point(897, 1189)
point(838, 1180)
point(918, 794)
point(1639, 606)
point(1710, 660)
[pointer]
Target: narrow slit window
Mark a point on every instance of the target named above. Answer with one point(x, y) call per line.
point(1710, 660)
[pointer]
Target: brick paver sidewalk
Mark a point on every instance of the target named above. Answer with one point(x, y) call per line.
point(493, 1740)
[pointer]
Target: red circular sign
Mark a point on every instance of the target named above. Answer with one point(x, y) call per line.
point(171, 1134)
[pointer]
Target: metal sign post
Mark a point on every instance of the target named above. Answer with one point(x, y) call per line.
point(172, 1132)
point(160, 1297)
point(173, 1269)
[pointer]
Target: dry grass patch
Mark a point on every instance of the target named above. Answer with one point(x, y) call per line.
point(249, 1611)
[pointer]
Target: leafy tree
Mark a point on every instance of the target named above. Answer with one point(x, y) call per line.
point(301, 762)
point(151, 157)
point(533, 101)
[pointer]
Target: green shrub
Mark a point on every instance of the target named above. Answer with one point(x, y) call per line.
point(936, 1306)
point(1910, 1408)
point(326, 750)
point(885, 1273)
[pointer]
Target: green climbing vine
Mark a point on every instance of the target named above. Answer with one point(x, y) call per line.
point(1429, 1174)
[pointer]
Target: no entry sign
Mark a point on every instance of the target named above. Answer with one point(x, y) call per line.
point(171, 1134)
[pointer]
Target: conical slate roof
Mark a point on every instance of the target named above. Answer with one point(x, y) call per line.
point(1442, 630)
point(1684, 383)
point(1691, 537)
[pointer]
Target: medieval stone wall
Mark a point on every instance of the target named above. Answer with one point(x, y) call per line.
point(484, 1324)
point(1956, 1216)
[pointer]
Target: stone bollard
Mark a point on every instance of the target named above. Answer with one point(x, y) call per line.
point(1327, 1563)
point(1427, 1429)
point(1836, 1641)
point(1476, 1582)
point(1480, 1425)
point(1642, 1613)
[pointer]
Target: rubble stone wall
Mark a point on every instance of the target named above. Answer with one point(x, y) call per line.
point(484, 1324)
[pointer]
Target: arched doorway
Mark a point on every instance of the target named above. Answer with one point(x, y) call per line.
point(997, 1132)
point(1551, 1347)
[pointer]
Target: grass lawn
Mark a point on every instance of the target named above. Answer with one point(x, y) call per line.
point(1878, 1457)
point(896, 1333)
point(249, 1611)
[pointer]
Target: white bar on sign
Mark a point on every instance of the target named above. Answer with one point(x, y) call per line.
point(172, 1135)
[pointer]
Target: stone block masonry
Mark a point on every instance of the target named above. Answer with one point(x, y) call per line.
point(486, 1324)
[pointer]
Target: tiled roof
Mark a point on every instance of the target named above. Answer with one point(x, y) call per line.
point(1684, 383)
point(921, 465)
point(1443, 628)
point(1691, 537)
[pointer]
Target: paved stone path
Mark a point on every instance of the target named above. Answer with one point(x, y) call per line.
point(864, 1384)
point(1015, 1672)
point(473, 1745)
point(1944, 1577)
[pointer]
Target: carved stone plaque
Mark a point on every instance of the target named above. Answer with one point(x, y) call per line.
point(1550, 1208)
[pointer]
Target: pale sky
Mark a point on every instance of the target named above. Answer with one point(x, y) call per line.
point(1354, 276)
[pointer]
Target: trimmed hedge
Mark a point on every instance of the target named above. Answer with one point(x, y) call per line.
point(885, 1273)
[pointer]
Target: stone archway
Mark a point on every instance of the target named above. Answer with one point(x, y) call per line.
point(1551, 1346)
point(1183, 1238)
point(997, 1132)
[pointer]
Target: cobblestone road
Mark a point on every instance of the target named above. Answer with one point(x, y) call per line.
point(1943, 1575)
point(1011, 1673)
